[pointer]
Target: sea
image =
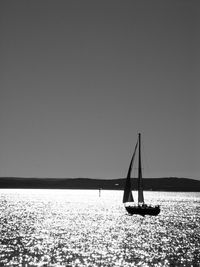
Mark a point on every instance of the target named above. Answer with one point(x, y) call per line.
point(91, 228)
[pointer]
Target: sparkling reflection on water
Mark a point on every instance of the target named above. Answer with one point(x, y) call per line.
point(79, 228)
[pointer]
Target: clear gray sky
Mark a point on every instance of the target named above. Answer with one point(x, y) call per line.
point(80, 79)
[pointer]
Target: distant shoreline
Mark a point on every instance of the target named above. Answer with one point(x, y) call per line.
point(149, 184)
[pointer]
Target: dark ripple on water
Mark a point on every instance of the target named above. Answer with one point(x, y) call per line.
point(53, 228)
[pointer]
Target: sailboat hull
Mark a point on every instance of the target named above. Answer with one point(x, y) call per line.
point(143, 210)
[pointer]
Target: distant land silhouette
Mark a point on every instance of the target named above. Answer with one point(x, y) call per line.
point(154, 184)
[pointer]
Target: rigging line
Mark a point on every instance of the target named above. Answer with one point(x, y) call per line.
point(146, 164)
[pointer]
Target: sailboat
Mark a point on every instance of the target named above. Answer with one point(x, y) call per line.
point(140, 208)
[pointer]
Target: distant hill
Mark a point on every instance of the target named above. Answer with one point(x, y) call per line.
point(154, 184)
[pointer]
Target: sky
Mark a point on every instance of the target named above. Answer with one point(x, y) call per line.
point(80, 79)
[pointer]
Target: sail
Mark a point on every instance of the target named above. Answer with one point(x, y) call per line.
point(140, 186)
point(128, 197)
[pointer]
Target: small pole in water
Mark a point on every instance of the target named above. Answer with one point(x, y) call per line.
point(99, 192)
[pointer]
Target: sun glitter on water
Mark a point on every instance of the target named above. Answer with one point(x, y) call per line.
point(79, 228)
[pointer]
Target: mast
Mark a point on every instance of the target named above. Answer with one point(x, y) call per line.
point(140, 187)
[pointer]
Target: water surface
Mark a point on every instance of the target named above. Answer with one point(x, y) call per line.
point(79, 228)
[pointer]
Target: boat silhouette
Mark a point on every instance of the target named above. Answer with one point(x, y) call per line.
point(140, 208)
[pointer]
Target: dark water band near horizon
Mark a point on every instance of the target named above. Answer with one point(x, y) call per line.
point(80, 228)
